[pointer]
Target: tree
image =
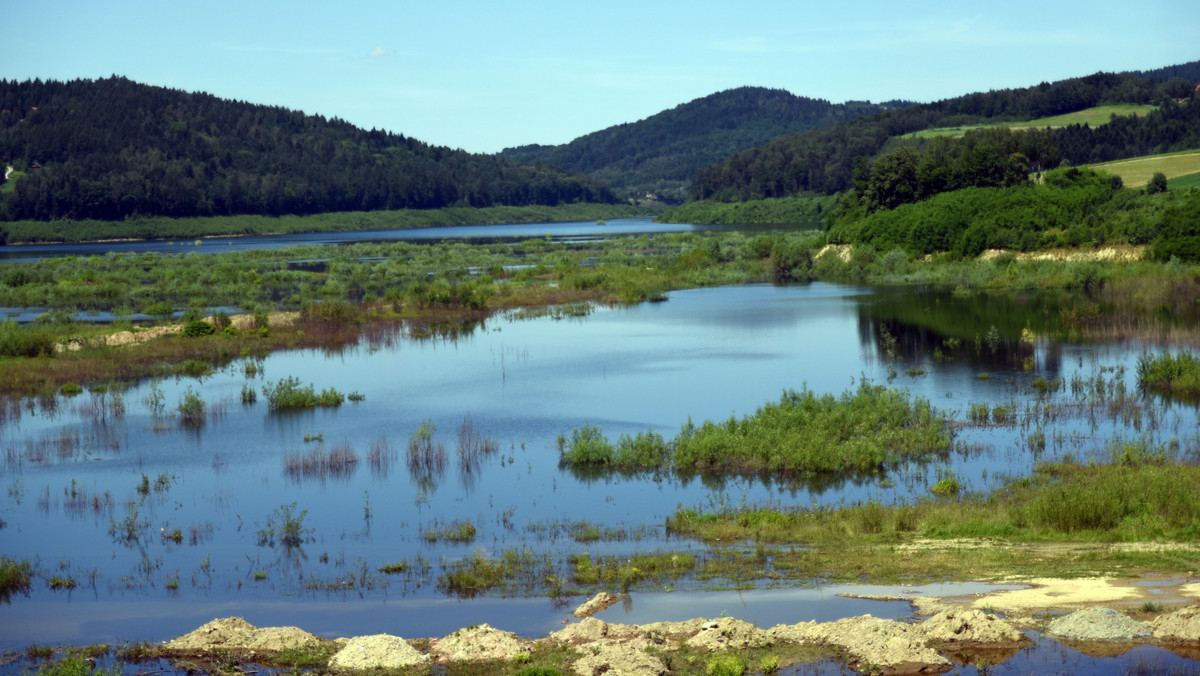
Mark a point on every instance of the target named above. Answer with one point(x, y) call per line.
point(893, 180)
point(1158, 183)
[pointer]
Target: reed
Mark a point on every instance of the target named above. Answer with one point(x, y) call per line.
point(339, 462)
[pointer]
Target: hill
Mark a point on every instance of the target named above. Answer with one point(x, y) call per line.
point(823, 160)
point(112, 149)
point(660, 153)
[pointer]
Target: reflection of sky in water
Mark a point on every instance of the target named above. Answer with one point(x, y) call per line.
point(708, 354)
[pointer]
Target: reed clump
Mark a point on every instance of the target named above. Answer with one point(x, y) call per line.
point(288, 393)
point(338, 462)
point(863, 431)
point(1172, 374)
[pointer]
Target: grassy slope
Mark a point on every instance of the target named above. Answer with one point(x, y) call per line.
point(1136, 172)
point(1091, 116)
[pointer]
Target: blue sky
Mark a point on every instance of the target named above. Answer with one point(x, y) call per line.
point(487, 75)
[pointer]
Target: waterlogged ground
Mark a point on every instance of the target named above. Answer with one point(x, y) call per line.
point(160, 528)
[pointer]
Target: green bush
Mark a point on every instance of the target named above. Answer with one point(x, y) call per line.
point(586, 446)
point(198, 328)
point(289, 393)
point(25, 341)
point(725, 664)
point(191, 408)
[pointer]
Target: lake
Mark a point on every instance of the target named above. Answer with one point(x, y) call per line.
point(95, 485)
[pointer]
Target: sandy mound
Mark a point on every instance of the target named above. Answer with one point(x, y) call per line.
point(592, 630)
point(1098, 624)
point(238, 635)
point(376, 652)
point(727, 634)
point(968, 626)
point(477, 643)
point(884, 644)
point(617, 659)
point(1181, 625)
point(595, 604)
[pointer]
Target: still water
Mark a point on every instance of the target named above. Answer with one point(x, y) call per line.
point(72, 470)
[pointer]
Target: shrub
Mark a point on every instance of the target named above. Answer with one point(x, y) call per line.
point(191, 408)
point(586, 446)
point(725, 664)
point(289, 393)
point(198, 328)
point(285, 526)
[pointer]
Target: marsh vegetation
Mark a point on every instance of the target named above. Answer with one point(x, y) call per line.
point(999, 400)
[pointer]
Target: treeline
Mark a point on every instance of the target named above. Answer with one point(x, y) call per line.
point(1071, 207)
point(661, 152)
point(824, 160)
point(112, 148)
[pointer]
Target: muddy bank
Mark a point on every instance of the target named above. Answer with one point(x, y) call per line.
point(955, 635)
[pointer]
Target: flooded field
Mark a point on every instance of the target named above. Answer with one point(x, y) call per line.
point(445, 449)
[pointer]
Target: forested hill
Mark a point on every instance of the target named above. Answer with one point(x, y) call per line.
point(660, 153)
point(823, 160)
point(113, 148)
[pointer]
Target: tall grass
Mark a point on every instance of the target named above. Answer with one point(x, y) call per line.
point(863, 431)
point(1141, 497)
point(1177, 374)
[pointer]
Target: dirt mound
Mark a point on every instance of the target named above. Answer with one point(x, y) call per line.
point(885, 645)
point(617, 659)
point(477, 643)
point(380, 651)
point(238, 635)
point(968, 626)
point(1098, 624)
point(1183, 625)
point(727, 634)
point(595, 604)
point(592, 630)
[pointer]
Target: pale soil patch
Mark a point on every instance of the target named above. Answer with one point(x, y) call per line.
point(380, 651)
point(842, 251)
point(1123, 254)
point(1058, 594)
point(138, 336)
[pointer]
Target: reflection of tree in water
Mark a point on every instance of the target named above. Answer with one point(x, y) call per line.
point(935, 327)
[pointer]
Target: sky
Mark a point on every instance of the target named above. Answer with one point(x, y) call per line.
point(483, 76)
